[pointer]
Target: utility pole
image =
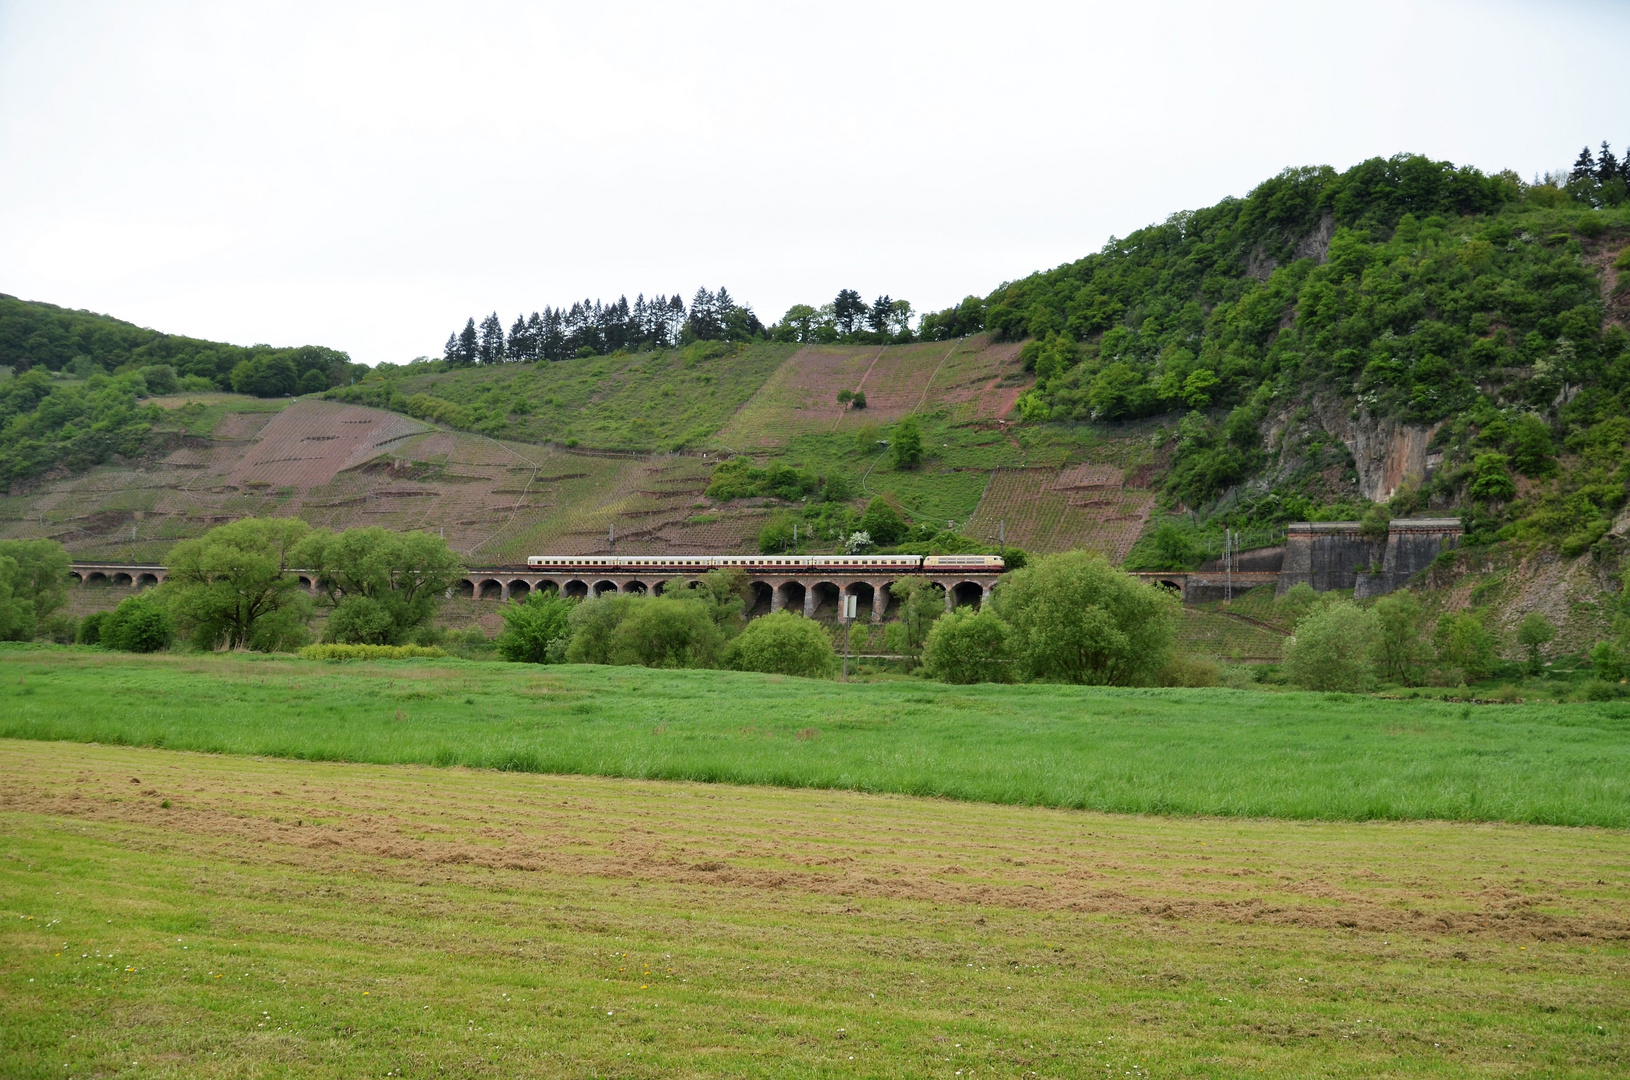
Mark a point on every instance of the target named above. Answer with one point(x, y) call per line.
point(795, 538)
point(1228, 562)
point(1001, 537)
point(611, 538)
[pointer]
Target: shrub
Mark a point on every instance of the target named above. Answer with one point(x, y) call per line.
point(1331, 648)
point(359, 620)
point(139, 624)
point(1077, 619)
point(33, 585)
point(371, 652)
point(1189, 671)
point(969, 646)
point(667, 632)
point(1534, 631)
point(90, 628)
point(537, 631)
point(907, 446)
point(783, 644)
point(881, 524)
point(593, 622)
point(1601, 690)
point(1462, 642)
point(1608, 660)
point(920, 603)
point(1398, 646)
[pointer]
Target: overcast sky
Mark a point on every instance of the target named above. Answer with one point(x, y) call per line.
point(368, 176)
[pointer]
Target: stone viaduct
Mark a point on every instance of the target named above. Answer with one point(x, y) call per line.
point(1325, 555)
point(812, 593)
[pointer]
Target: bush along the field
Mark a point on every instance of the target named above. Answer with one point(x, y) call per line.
point(920, 602)
point(783, 643)
point(90, 628)
point(1077, 619)
point(383, 585)
point(536, 631)
point(1464, 643)
point(139, 624)
point(371, 652)
point(232, 588)
point(1331, 649)
point(969, 646)
point(33, 585)
point(661, 631)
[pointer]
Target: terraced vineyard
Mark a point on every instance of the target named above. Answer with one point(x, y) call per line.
point(1084, 506)
point(550, 475)
point(965, 380)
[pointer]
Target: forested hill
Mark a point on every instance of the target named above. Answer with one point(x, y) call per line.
point(1461, 332)
point(1401, 293)
point(81, 343)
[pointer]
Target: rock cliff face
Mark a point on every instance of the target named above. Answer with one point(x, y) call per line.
point(1386, 452)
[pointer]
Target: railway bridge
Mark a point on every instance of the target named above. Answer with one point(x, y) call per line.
point(813, 590)
point(790, 585)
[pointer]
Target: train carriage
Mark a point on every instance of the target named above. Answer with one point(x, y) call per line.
point(853, 564)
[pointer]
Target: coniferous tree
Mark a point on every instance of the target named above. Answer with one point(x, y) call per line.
point(491, 348)
point(519, 346)
point(553, 346)
point(450, 351)
point(1607, 166)
point(534, 336)
point(703, 323)
point(879, 314)
point(468, 343)
point(675, 319)
point(1585, 167)
point(847, 309)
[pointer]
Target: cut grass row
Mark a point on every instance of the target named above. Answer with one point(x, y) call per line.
point(227, 917)
point(1215, 751)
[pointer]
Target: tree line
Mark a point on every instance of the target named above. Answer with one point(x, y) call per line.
point(593, 328)
point(597, 328)
point(1600, 179)
point(82, 343)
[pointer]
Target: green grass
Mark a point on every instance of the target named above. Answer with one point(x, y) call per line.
point(228, 917)
point(659, 400)
point(1218, 751)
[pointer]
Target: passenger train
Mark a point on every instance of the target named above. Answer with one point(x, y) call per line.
point(853, 564)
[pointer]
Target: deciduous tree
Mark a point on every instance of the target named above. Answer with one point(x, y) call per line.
point(783, 644)
point(232, 588)
point(1077, 619)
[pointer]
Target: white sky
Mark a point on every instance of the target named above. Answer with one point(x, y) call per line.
point(367, 176)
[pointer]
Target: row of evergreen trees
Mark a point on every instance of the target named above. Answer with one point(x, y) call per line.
point(1600, 179)
point(593, 328)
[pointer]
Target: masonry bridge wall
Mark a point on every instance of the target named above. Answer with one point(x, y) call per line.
point(1325, 555)
point(812, 594)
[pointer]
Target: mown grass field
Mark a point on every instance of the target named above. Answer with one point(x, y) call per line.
point(1214, 752)
point(169, 914)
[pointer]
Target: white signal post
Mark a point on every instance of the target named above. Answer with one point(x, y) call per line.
point(851, 604)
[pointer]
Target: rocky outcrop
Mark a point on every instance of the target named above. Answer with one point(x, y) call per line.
point(1385, 451)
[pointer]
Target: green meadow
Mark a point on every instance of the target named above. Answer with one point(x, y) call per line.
point(1159, 751)
point(166, 914)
